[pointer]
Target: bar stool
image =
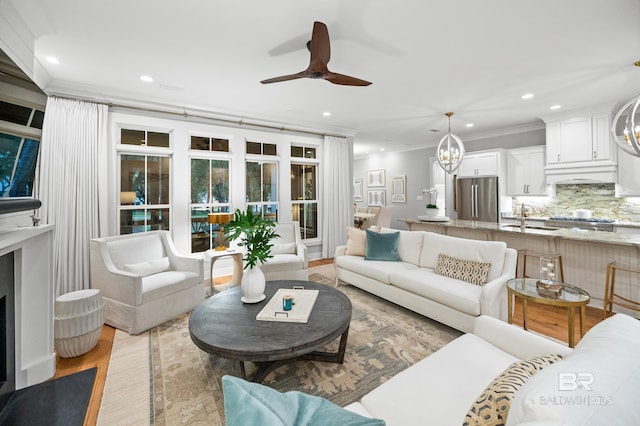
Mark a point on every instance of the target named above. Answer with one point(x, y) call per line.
point(525, 253)
point(610, 296)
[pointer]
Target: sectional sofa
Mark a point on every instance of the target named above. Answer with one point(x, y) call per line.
point(498, 375)
point(491, 376)
point(430, 274)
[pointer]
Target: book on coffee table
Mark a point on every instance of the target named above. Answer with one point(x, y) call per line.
point(303, 301)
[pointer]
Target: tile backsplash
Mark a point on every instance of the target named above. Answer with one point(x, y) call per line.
point(600, 198)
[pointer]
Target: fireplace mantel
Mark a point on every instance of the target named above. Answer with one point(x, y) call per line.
point(34, 300)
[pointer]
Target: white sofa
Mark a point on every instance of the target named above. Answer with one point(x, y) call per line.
point(597, 383)
point(413, 284)
point(143, 280)
point(290, 258)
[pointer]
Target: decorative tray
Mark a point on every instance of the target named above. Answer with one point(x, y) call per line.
point(548, 290)
point(303, 301)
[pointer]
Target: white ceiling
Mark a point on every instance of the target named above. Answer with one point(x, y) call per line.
point(476, 58)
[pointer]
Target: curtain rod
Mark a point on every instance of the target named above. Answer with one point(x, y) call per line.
point(240, 122)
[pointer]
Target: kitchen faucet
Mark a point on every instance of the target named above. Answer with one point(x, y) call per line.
point(522, 221)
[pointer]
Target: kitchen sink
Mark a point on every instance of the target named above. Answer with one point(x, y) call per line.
point(543, 228)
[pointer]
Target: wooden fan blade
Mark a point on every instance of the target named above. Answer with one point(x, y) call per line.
point(345, 80)
point(320, 45)
point(301, 74)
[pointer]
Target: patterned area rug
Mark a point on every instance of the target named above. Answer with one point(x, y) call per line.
point(384, 339)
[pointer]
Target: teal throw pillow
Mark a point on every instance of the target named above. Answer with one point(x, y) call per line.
point(382, 246)
point(248, 404)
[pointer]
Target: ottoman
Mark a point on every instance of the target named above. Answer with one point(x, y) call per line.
point(78, 322)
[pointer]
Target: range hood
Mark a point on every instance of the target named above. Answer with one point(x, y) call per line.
point(581, 173)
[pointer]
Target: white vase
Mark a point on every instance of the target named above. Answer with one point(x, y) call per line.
point(431, 212)
point(252, 285)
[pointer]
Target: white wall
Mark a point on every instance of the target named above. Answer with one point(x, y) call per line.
point(416, 165)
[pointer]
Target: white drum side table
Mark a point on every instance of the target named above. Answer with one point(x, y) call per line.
point(78, 322)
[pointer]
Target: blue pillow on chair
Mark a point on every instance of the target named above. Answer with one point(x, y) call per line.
point(382, 246)
point(248, 404)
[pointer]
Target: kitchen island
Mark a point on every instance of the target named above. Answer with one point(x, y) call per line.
point(585, 254)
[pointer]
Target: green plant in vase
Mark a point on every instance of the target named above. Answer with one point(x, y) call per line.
point(254, 234)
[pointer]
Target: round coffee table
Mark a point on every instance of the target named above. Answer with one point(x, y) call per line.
point(224, 326)
point(570, 297)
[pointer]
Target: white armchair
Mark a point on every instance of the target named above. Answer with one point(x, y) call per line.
point(290, 258)
point(143, 280)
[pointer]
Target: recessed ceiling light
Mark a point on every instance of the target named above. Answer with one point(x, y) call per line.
point(381, 149)
point(326, 113)
point(146, 78)
point(53, 60)
point(555, 107)
point(527, 96)
point(469, 125)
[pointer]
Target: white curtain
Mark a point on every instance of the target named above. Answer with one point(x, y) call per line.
point(72, 185)
point(337, 204)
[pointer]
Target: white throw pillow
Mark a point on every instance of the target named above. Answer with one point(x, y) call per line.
point(148, 268)
point(283, 248)
point(356, 242)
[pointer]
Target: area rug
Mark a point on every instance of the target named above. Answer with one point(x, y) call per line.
point(183, 385)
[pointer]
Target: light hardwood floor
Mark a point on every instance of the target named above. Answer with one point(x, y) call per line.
point(548, 320)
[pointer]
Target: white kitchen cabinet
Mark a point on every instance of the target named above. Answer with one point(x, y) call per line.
point(602, 140)
point(526, 171)
point(480, 164)
point(553, 142)
point(580, 148)
point(579, 139)
point(628, 183)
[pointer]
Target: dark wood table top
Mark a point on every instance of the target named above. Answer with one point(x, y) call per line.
point(222, 325)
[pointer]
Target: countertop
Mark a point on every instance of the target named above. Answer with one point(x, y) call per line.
point(542, 218)
point(569, 234)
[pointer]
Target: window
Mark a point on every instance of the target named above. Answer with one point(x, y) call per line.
point(209, 194)
point(261, 148)
point(262, 188)
point(304, 202)
point(22, 115)
point(144, 138)
point(18, 158)
point(144, 193)
point(303, 152)
point(201, 143)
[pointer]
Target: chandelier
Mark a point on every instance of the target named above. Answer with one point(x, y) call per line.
point(630, 140)
point(450, 150)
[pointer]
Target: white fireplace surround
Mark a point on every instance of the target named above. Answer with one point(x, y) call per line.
point(34, 297)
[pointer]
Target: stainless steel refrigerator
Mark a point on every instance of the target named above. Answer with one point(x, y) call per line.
point(477, 199)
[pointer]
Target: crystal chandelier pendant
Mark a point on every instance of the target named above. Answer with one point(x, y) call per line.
point(450, 150)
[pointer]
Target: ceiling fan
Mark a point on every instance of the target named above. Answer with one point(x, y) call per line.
point(320, 54)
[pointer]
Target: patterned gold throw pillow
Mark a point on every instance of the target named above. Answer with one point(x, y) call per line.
point(471, 271)
point(492, 406)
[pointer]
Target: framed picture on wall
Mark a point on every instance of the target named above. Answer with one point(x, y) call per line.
point(399, 189)
point(357, 189)
point(376, 178)
point(376, 197)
